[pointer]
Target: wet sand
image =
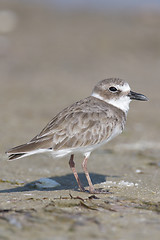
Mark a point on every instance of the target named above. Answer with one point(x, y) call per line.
point(49, 59)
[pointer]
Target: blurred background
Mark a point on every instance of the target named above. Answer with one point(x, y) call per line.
point(53, 52)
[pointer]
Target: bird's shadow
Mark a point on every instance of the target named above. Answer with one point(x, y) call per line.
point(66, 182)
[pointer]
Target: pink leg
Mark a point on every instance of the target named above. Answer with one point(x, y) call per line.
point(72, 166)
point(84, 166)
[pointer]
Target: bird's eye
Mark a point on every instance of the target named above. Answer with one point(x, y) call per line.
point(113, 89)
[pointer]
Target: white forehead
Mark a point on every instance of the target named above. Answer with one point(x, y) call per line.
point(124, 88)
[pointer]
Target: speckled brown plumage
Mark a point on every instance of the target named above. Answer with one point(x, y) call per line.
point(87, 122)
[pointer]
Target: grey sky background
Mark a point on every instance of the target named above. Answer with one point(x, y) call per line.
point(102, 4)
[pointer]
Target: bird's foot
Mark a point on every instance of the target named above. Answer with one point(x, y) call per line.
point(82, 189)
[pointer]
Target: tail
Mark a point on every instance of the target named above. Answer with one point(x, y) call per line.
point(18, 152)
point(30, 148)
point(16, 156)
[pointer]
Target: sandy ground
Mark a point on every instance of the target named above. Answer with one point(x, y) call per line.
point(49, 59)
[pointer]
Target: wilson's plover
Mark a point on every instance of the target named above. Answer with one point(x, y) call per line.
point(84, 126)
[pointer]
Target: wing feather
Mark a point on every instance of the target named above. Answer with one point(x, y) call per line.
point(79, 125)
point(83, 124)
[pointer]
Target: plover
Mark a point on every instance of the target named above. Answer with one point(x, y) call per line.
point(84, 126)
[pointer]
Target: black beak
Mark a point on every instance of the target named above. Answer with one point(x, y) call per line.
point(137, 96)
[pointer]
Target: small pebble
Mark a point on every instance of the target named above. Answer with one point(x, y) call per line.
point(138, 171)
point(46, 183)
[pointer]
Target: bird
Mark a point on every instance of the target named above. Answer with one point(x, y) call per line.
point(84, 126)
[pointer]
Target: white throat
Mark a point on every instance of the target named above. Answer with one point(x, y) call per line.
point(121, 103)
